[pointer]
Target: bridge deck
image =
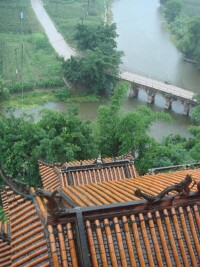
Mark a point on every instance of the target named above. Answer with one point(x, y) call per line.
point(156, 85)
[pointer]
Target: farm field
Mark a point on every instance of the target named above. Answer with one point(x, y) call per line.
point(26, 57)
point(66, 14)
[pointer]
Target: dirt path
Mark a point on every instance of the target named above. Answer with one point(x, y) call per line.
point(55, 38)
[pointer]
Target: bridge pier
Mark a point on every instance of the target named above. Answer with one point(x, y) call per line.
point(187, 106)
point(133, 91)
point(168, 104)
point(151, 96)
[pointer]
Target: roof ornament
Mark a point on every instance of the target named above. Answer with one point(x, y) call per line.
point(181, 188)
point(128, 156)
point(99, 161)
point(53, 203)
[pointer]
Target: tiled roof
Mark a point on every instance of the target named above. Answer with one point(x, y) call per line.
point(5, 252)
point(50, 176)
point(123, 190)
point(111, 226)
point(85, 172)
point(28, 242)
point(146, 236)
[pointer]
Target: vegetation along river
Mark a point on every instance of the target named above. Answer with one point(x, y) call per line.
point(148, 49)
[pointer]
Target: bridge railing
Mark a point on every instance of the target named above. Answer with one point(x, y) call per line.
point(144, 74)
point(156, 84)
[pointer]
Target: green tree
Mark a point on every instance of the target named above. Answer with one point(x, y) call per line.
point(96, 71)
point(172, 150)
point(90, 37)
point(57, 137)
point(66, 137)
point(119, 133)
point(172, 9)
point(194, 38)
point(195, 131)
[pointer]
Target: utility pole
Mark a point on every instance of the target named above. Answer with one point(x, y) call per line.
point(22, 54)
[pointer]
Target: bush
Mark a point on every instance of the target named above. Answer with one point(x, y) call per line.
point(40, 42)
point(62, 95)
point(4, 92)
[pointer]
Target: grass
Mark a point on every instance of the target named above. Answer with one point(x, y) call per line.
point(25, 53)
point(40, 97)
point(67, 14)
point(27, 60)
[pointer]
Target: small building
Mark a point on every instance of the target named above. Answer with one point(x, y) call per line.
point(101, 213)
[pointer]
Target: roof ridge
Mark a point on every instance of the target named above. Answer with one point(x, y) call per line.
point(17, 186)
point(50, 164)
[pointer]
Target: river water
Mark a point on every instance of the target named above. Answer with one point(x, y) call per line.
point(148, 49)
point(147, 45)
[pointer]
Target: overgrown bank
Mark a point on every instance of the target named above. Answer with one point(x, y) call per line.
point(184, 23)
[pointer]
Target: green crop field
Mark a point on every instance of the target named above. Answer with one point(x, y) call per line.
point(66, 14)
point(26, 56)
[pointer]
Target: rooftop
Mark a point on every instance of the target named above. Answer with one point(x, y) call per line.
point(107, 222)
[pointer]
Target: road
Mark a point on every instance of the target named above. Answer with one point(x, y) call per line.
point(55, 38)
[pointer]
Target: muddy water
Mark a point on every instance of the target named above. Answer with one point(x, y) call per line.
point(88, 111)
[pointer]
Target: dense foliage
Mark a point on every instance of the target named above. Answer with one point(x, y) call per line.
point(117, 133)
point(185, 28)
point(93, 36)
point(4, 93)
point(59, 137)
point(56, 137)
point(97, 69)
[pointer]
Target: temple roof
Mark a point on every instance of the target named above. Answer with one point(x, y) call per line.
point(85, 172)
point(104, 223)
point(5, 248)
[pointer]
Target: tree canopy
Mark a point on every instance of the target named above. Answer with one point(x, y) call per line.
point(118, 133)
point(90, 37)
point(172, 9)
point(185, 28)
point(97, 68)
point(57, 137)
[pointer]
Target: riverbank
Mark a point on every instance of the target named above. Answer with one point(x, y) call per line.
point(39, 97)
point(183, 24)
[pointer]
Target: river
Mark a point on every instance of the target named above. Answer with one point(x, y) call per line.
point(147, 45)
point(148, 49)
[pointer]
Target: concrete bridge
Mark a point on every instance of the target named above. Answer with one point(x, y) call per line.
point(154, 86)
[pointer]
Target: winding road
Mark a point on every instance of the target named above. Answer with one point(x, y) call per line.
point(55, 38)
